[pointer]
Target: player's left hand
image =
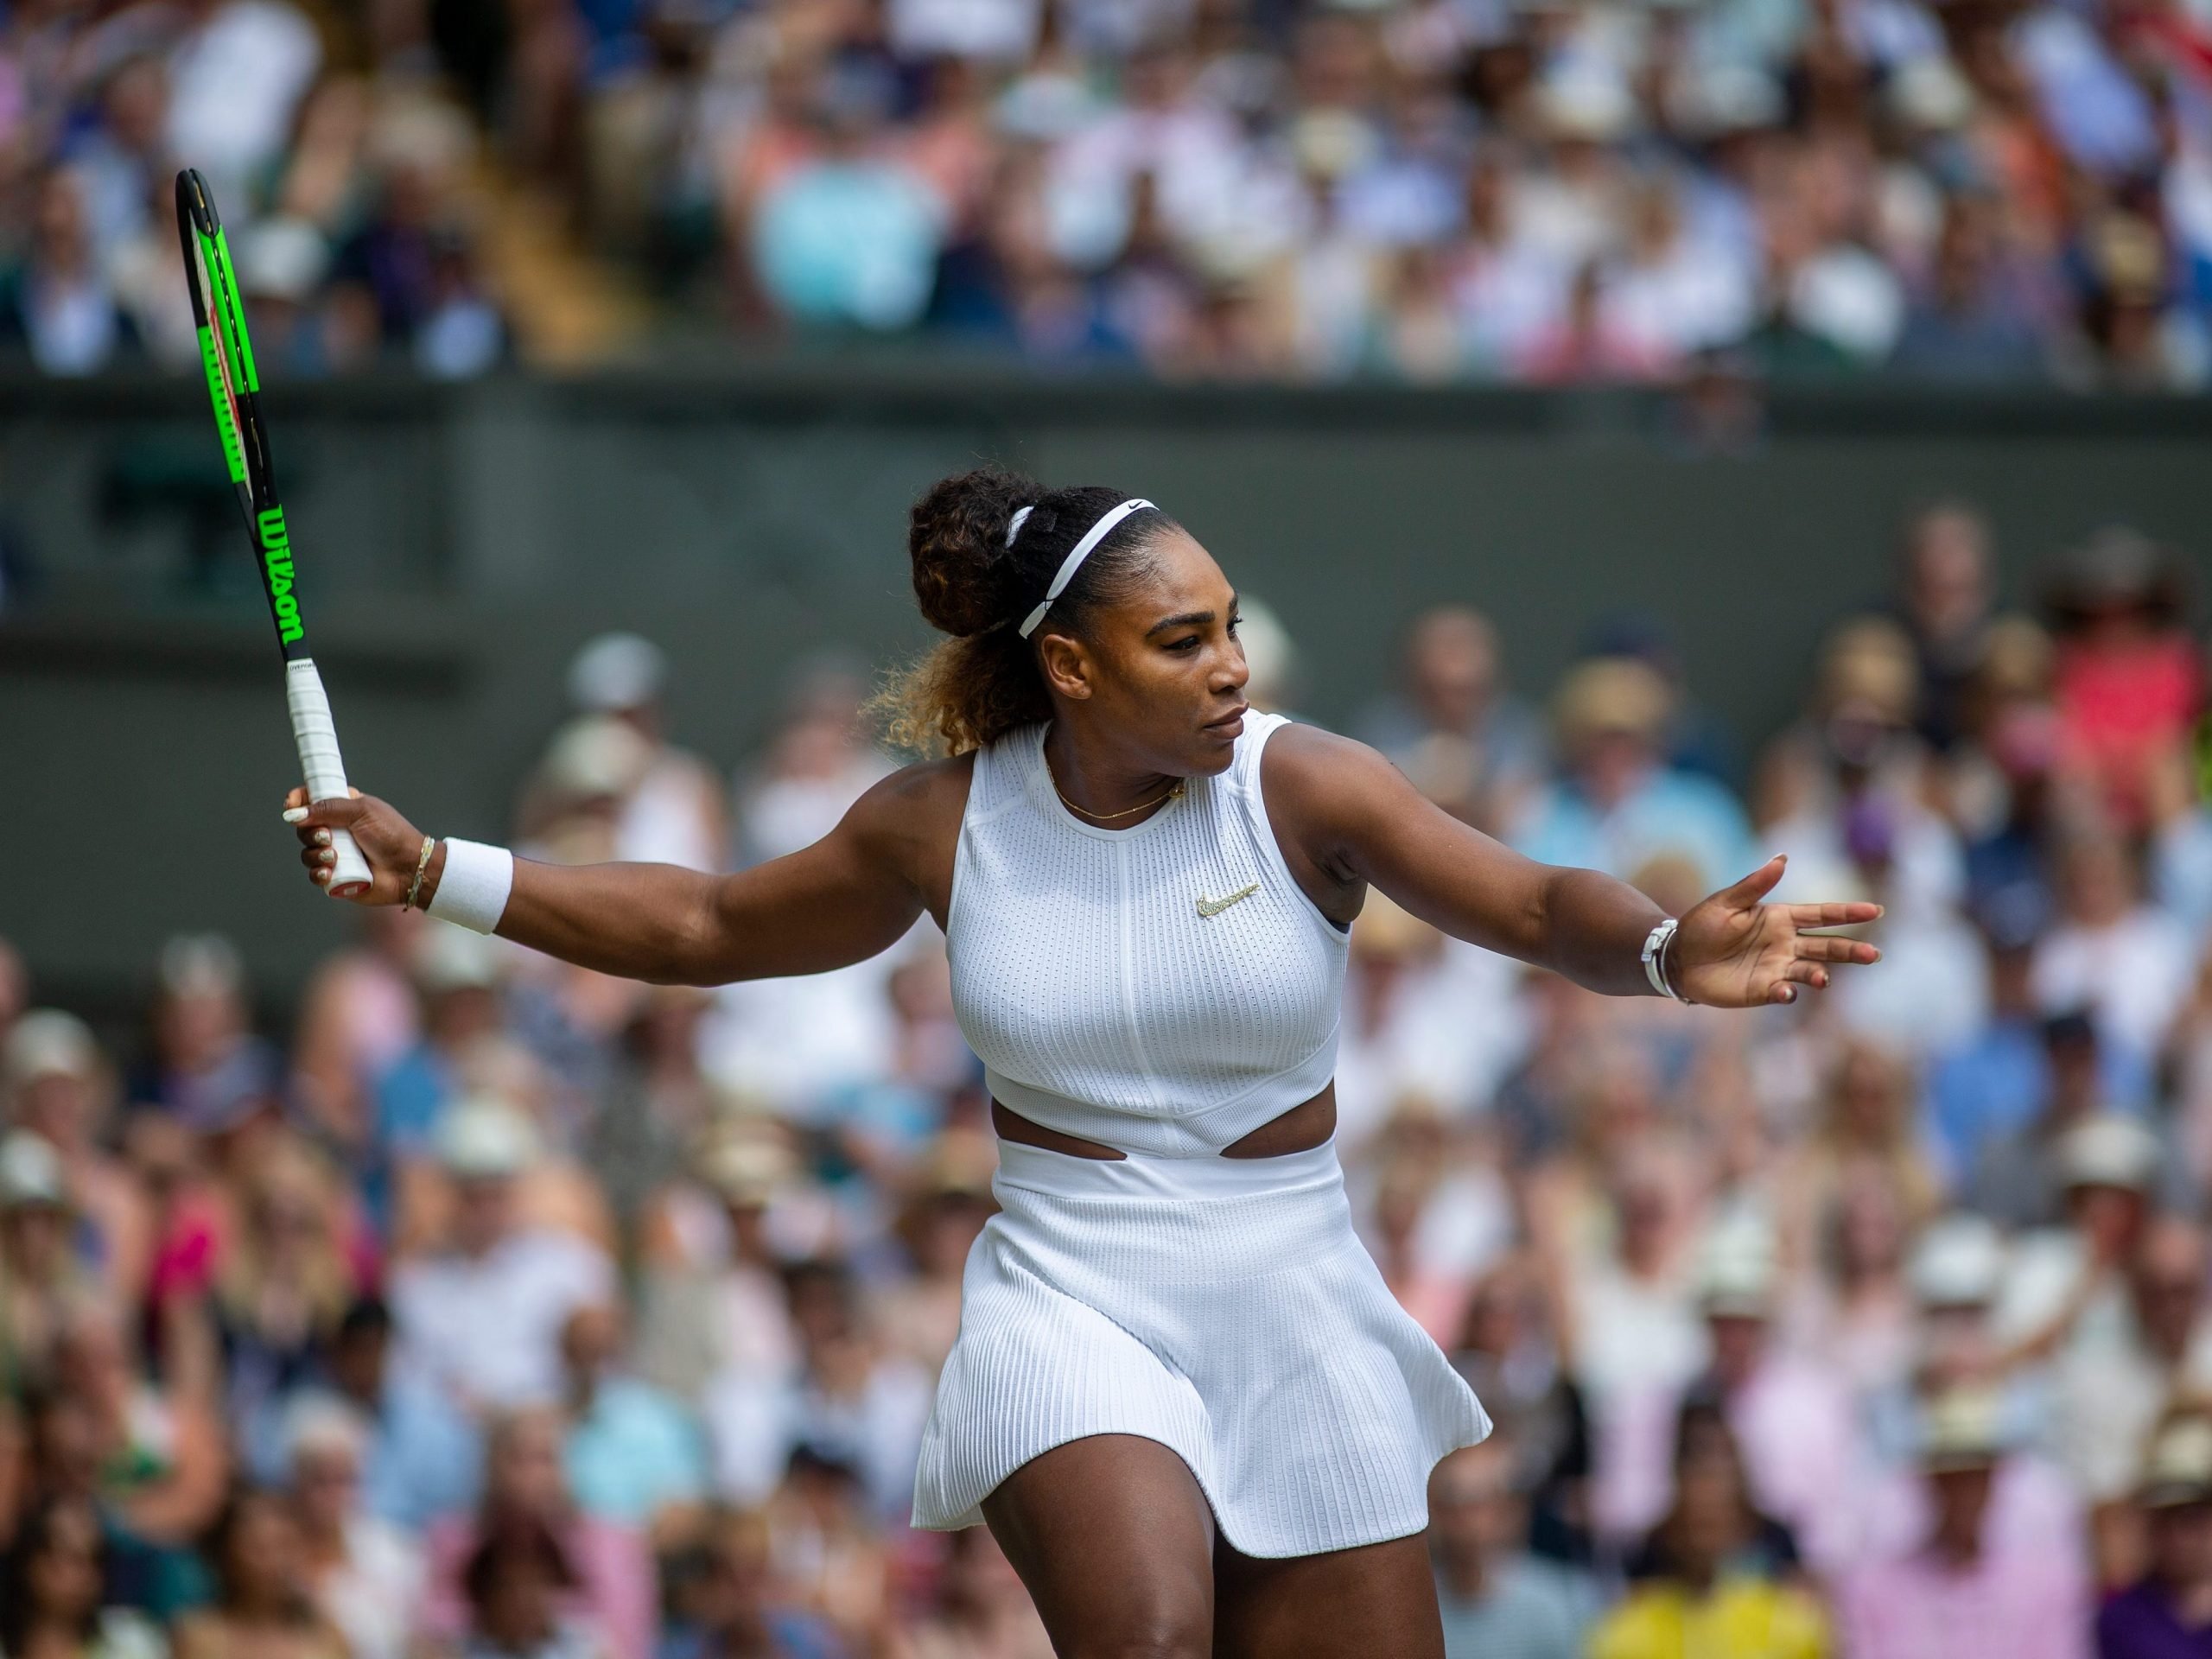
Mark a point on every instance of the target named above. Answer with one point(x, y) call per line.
point(1733, 951)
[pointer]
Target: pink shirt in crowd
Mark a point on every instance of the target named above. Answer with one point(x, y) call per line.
point(2013, 1603)
point(615, 1564)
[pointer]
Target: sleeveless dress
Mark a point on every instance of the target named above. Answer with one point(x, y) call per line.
point(1164, 990)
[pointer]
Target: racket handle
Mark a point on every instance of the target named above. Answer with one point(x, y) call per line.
point(317, 737)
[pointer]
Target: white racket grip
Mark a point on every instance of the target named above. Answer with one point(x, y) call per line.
point(317, 736)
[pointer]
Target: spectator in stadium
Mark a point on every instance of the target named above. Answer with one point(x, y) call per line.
point(1465, 739)
point(360, 1016)
point(483, 1316)
point(261, 1604)
point(287, 1276)
point(2016, 1181)
point(1715, 1578)
point(829, 1549)
point(948, 1202)
point(55, 1083)
point(1971, 323)
point(1946, 593)
point(2107, 1400)
point(41, 1281)
point(634, 1456)
point(1495, 1598)
point(1616, 805)
point(365, 1575)
point(459, 975)
point(714, 1301)
point(159, 1450)
point(847, 238)
point(206, 1064)
point(672, 814)
point(657, 1105)
point(609, 1591)
point(1866, 1126)
point(516, 1582)
point(2167, 1614)
point(53, 1592)
point(818, 761)
point(56, 304)
point(419, 1454)
point(981, 1611)
point(1506, 1353)
point(2129, 679)
point(2109, 949)
point(1967, 1583)
point(1791, 1422)
point(731, 1601)
point(848, 1398)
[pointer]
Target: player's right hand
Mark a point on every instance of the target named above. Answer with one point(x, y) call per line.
point(390, 844)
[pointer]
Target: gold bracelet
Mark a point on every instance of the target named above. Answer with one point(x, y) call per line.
point(422, 868)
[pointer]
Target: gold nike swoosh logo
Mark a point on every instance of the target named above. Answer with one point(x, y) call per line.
point(1215, 906)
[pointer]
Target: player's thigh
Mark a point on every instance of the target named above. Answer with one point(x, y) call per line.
point(1375, 1602)
point(1113, 1537)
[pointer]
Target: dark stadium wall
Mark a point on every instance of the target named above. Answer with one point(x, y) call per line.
point(456, 544)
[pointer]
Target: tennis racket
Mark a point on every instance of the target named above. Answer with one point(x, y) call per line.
point(233, 387)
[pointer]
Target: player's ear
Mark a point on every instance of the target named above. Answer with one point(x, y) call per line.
point(1065, 663)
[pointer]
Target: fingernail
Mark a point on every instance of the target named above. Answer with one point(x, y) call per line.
point(296, 814)
point(323, 837)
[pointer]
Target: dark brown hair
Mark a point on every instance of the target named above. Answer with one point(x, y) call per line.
point(984, 682)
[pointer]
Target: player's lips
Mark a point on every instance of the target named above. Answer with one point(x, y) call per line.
point(1231, 724)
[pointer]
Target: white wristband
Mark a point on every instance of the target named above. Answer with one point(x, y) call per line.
point(473, 887)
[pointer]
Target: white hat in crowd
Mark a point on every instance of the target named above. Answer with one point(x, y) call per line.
point(597, 756)
point(321, 1421)
point(1959, 1262)
point(1738, 1273)
point(449, 957)
point(1963, 1428)
point(2108, 1151)
point(2178, 1470)
point(614, 672)
point(201, 965)
point(31, 1172)
point(47, 1043)
point(483, 1138)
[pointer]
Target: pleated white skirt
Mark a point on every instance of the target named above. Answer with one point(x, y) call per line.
point(1222, 1306)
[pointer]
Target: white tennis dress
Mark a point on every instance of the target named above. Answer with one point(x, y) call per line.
point(1165, 989)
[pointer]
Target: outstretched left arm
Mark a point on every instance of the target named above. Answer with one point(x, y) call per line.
point(1347, 818)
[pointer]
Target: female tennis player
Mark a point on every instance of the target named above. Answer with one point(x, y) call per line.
point(1182, 1397)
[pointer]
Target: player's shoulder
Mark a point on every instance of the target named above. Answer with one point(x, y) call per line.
point(1310, 762)
point(924, 801)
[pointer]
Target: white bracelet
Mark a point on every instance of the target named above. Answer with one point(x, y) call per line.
point(473, 887)
point(1655, 947)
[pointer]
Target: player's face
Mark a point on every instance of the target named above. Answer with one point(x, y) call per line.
point(1164, 668)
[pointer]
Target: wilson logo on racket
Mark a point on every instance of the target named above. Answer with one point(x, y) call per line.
point(276, 559)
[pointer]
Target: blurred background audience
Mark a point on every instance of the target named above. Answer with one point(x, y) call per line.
point(460, 1304)
point(1543, 190)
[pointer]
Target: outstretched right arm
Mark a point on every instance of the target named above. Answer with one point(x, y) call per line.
point(841, 900)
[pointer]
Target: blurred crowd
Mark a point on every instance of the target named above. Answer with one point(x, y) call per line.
point(488, 1306)
point(1539, 191)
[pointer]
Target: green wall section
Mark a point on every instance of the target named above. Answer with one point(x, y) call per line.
point(453, 544)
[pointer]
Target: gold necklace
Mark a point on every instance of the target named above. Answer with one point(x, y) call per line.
point(1108, 817)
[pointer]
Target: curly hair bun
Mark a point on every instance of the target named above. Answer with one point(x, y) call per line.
point(956, 537)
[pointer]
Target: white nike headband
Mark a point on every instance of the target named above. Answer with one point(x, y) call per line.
point(1082, 550)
